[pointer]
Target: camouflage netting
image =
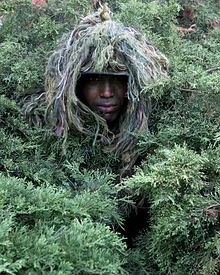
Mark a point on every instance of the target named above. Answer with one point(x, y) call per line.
point(99, 44)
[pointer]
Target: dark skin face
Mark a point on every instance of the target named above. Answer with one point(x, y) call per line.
point(104, 94)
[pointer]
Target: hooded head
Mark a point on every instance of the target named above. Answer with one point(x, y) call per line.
point(99, 45)
point(104, 94)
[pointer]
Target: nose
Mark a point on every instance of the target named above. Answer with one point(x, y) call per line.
point(106, 90)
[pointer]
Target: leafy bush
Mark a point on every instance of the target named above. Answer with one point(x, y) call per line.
point(47, 230)
point(58, 207)
point(183, 235)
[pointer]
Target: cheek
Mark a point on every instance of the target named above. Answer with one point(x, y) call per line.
point(122, 95)
point(89, 95)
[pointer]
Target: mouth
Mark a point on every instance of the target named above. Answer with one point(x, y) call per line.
point(106, 108)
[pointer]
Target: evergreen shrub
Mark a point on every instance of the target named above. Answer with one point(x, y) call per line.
point(61, 208)
point(45, 230)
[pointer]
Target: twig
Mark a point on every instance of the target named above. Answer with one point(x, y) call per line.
point(212, 70)
point(213, 205)
point(39, 2)
point(188, 90)
point(192, 28)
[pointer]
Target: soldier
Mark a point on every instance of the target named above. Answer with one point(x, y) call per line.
point(99, 74)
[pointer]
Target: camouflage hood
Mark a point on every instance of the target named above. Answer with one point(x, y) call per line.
point(98, 44)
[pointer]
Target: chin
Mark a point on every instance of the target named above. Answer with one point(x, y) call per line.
point(110, 117)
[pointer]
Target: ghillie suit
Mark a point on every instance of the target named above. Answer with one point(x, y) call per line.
point(99, 45)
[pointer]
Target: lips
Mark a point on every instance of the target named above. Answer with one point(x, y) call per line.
point(106, 108)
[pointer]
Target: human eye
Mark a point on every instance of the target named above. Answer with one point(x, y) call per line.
point(120, 82)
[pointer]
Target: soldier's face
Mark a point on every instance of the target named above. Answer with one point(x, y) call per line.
point(104, 94)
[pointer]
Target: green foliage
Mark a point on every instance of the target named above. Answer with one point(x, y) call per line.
point(47, 230)
point(28, 34)
point(155, 19)
point(67, 229)
point(183, 236)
